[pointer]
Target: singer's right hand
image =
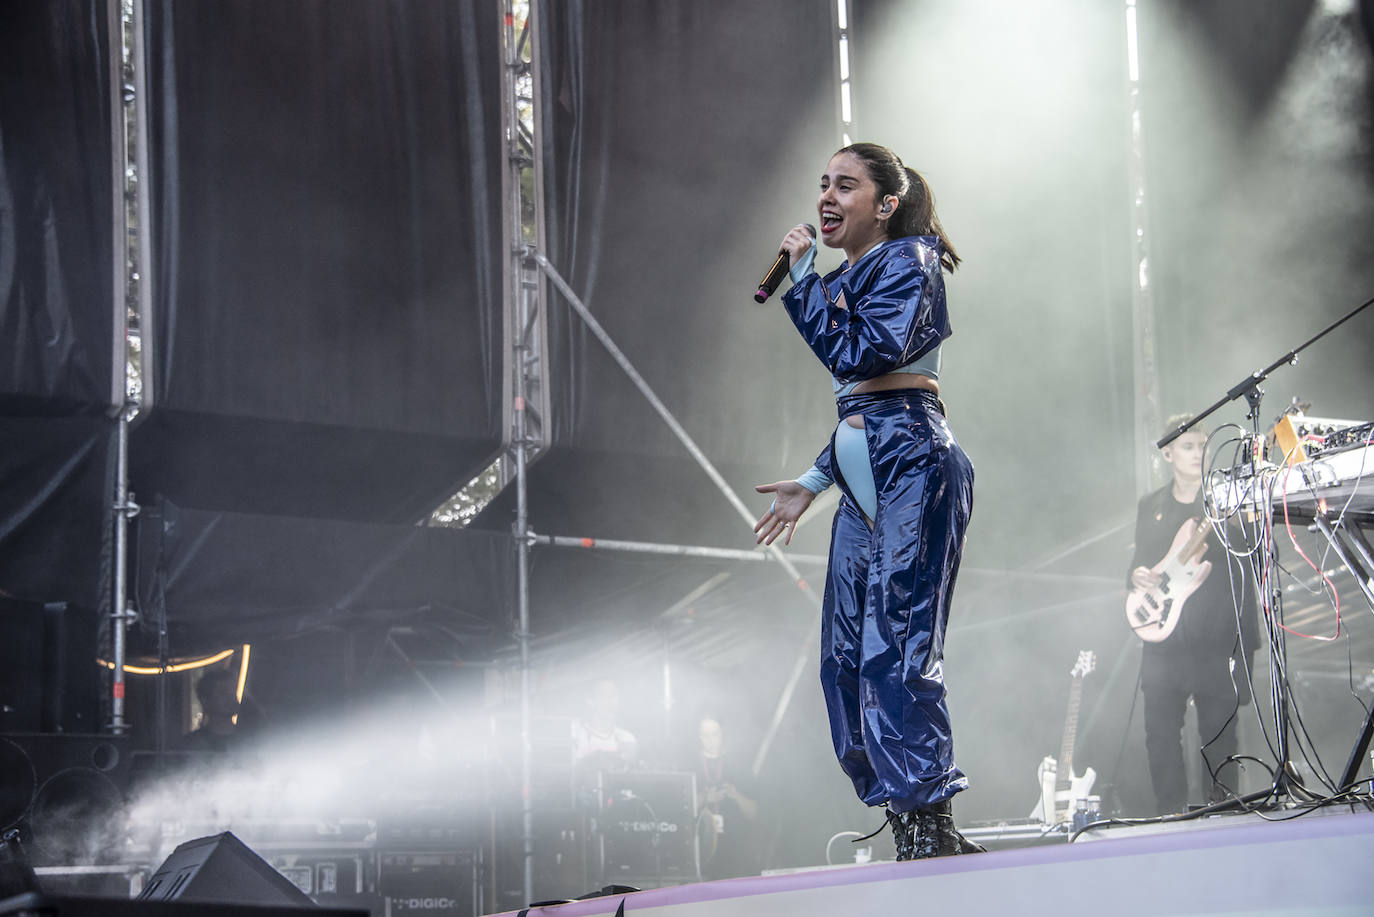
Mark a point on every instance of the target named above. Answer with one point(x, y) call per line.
point(791, 501)
point(795, 243)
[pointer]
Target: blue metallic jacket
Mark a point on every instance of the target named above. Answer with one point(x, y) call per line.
point(896, 309)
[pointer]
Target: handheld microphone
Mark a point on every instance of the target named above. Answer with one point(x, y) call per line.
point(769, 284)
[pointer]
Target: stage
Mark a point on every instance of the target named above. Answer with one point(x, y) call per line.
point(1313, 864)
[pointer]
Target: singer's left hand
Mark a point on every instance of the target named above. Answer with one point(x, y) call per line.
point(791, 501)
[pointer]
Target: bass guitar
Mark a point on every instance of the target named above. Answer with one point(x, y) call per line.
point(1154, 613)
point(1061, 791)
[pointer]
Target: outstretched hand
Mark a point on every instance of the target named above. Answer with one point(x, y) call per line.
point(791, 500)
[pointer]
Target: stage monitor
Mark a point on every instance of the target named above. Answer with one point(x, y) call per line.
point(221, 868)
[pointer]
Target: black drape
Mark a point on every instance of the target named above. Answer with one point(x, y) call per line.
point(56, 313)
point(56, 490)
point(326, 224)
point(221, 578)
point(56, 208)
point(681, 141)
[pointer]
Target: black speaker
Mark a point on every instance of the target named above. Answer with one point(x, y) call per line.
point(435, 883)
point(221, 868)
point(647, 825)
point(49, 681)
point(65, 794)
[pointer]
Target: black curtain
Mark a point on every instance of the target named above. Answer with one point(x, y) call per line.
point(326, 228)
point(56, 208)
point(56, 490)
point(224, 578)
point(681, 141)
point(56, 313)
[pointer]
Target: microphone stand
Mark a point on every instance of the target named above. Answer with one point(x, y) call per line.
point(1286, 779)
point(1249, 386)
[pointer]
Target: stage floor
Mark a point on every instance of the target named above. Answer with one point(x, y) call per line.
point(1313, 864)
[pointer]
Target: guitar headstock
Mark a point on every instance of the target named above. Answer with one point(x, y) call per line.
point(1087, 661)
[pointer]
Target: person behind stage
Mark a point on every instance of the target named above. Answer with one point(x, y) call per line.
point(727, 822)
point(1202, 658)
point(217, 691)
point(599, 741)
point(877, 323)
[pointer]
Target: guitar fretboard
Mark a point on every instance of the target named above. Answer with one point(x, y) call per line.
point(1064, 773)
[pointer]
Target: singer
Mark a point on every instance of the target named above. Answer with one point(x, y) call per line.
point(877, 323)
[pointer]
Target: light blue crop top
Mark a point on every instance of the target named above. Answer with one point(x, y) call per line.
point(927, 364)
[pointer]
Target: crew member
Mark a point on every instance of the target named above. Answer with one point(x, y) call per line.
point(729, 812)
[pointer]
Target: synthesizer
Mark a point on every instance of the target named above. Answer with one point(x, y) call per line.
point(1331, 483)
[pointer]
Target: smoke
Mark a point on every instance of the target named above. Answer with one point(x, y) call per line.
point(389, 765)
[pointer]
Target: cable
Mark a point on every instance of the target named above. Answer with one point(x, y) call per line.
point(1335, 596)
point(1353, 796)
point(839, 834)
point(1261, 494)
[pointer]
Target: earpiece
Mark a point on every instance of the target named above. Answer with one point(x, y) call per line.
point(887, 207)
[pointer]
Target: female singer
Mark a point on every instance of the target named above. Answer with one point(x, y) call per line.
point(877, 323)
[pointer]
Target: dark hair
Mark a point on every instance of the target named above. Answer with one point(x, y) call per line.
point(216, 679)
point(915, 214)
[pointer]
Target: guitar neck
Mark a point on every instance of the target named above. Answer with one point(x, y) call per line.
point(1065, 770)
point(1193, 543)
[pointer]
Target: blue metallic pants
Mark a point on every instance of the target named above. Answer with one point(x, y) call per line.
point(887, 598)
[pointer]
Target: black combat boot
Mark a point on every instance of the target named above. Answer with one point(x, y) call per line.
point(936, 835)
point(903, 826)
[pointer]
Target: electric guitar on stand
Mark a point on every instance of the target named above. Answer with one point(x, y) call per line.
point(1061, 792)
point(1154, 613)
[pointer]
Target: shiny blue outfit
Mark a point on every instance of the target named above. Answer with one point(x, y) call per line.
point(888, 588)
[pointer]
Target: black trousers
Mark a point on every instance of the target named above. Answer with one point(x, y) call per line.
point(1167, 681)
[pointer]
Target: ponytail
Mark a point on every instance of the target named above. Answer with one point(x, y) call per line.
point(920, 219)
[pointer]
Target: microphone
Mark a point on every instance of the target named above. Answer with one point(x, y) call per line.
point(769, 284)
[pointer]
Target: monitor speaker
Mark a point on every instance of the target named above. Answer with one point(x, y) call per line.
point(221, 868)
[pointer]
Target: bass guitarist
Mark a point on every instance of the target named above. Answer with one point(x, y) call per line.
point(1196, 659)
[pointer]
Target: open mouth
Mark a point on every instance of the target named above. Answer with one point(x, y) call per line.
point(830, 221)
